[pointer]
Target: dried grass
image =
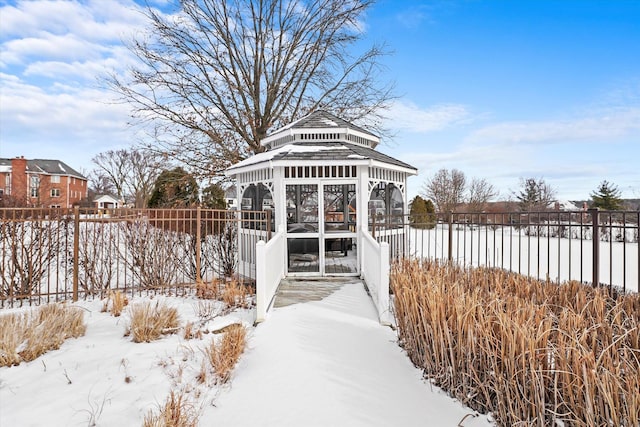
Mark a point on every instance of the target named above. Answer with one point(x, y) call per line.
point(236, 295)
point(149, 321)
point(177, 411)
point(530, 352)
point(115, 303)
point(208, 290)
point(224, 356)
point(232, 293)
point(25, 337)
point(191, 331)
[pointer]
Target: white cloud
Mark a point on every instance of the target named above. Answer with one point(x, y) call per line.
point(67, 113)
point(75, 33)
point(405, 115)
point(602, 126)
point(91, 19)
point(55, 47)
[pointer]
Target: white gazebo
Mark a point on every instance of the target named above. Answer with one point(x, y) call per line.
point(324, 183)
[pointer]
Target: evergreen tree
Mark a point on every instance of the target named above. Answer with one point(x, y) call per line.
point(174, 188)
point(213, 197)
point(534, 194)
point(422, 213)
point(607, 197)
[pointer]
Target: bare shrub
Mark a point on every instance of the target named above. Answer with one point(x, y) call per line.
point(25, 337)
point(149, 321)
point(96, 256)
point(225, 248)
point(150, 254)
point(530, 352)
point(31, 242)
point(224, 356)
point(177, 411)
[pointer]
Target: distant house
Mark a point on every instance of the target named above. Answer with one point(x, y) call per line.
point(41, 183)
point(107, 202)
point(563, 205)
point(230, 197)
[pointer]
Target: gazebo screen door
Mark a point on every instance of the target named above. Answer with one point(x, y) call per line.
point(321, 228)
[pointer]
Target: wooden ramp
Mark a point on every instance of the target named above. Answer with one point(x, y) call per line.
point(295, 290)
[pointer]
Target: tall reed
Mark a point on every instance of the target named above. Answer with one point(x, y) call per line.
point(530, 352)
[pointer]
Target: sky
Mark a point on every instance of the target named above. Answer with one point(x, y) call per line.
point(501, 90)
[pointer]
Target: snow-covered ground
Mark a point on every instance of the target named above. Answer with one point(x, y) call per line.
point(559, 258)
point(314, 364)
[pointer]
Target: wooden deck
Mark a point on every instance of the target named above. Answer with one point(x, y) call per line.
point(304, 289)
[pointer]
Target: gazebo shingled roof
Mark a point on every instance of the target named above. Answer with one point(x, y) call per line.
point(321, 119)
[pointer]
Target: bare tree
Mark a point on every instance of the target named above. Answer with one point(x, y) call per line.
point(479, 193)
point(216, 76)
point(446, 189)
point(131, 172)
point(100, 183)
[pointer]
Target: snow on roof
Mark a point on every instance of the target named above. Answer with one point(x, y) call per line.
point(107, 198)
point(328, 122)
point(285, 149)
point(564, 205)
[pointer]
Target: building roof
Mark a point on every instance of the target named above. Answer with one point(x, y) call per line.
point(107, 198)
point(320, 152)
point(47, 166)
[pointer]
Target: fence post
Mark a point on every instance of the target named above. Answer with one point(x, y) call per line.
point(450, 237)
point(198, 245)
point(261, 281)
point(595, 236)
point(76, 250)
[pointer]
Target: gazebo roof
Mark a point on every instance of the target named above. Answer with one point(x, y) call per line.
point(319, 152)
point(320, 126)
point(321, 119)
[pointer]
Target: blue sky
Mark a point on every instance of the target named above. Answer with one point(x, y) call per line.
point(497, 89)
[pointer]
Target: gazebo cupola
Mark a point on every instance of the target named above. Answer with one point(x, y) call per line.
point(324, 182)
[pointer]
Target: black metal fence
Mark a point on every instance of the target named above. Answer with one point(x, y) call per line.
point(597, 247)
point(56, 254)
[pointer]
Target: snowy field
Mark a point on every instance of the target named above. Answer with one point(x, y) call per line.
point(558, 258)
point(314, 364)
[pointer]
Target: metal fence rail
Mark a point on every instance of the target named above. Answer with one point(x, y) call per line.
point(597, 247)
point(56, 254)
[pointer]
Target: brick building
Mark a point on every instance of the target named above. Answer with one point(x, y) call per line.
point(41, 183)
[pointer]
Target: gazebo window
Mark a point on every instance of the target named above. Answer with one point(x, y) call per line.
point(302, 208)
point(340, 207)
point(258, 198)
point(386, 203)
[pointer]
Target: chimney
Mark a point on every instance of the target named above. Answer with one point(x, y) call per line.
point(19, 184)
